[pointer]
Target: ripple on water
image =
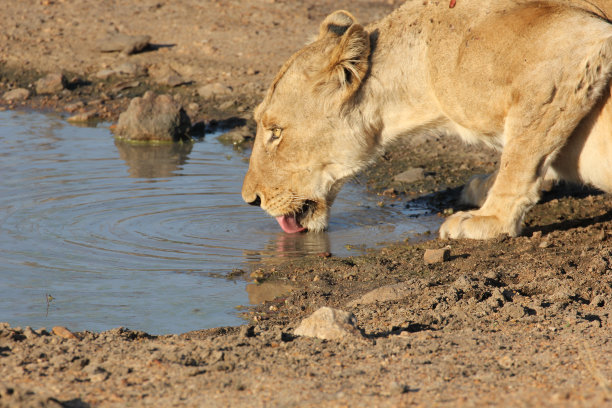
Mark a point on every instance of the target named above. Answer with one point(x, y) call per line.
point(131, 235)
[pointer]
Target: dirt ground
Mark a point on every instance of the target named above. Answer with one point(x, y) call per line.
point(509, 322)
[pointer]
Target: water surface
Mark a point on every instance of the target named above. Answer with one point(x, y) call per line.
point(138, 236)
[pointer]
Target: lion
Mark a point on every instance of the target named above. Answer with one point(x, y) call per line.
point(530, 78)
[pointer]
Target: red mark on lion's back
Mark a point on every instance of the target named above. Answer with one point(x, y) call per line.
point(452, 3)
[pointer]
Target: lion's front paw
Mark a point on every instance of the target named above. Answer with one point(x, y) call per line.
point(470, 225)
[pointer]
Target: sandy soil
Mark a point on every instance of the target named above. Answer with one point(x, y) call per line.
point(510, 322)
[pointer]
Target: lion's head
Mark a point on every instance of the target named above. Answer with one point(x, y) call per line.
point(309, 138)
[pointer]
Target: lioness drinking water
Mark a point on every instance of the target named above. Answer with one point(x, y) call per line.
point(531, 78)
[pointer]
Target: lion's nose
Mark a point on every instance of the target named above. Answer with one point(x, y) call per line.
point(256, 202)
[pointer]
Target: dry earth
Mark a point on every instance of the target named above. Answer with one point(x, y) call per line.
point(510, 322)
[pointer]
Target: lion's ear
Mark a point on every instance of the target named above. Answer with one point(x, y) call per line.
point(336, 24)
point(348, 62)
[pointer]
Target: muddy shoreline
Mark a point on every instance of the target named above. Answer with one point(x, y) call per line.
point(520, 321)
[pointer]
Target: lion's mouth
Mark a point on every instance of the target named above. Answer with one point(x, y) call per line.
point(292, 223)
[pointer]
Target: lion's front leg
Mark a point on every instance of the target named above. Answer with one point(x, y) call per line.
point(509, 193)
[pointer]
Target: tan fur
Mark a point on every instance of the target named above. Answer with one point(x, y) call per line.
point(529, 77)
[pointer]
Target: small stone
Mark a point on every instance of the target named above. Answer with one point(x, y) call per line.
point(433, 256)
point(171, 80)
point(247, 331)
point(63, 333)
point(227, 105)
point(96, 373)
point(598, 301)
point(51, 84)
point(544, 244)
point(505, 362)
point(251, 71)
point(125, 85)
point(329, 324)
point(154, 117)
point(410, 176)
point(382, 294)
point(73, 107)
point(130, 69)
point(127, 44)
point(212, 90)
point(513, 311)
point(237, 135)
point(496, 299)
point(105, 73)
point(83, 117)
point(18, 94)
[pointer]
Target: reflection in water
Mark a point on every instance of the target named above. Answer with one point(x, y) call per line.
point(153, 160)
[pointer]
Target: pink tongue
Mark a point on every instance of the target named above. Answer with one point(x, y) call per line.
point(290, 224)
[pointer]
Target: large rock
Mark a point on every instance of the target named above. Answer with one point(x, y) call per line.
point(51, 84)
point(329, 324)
point(154, 118)
point(18, 94)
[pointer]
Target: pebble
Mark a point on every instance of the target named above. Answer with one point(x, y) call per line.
point(383, 294)
point(329, 324)
point(83, 117)
point(126, 44)
point(154, 118)
point(73, 107)
point(433, 256)
point(212, 90)
point(105, 73)
point(63, 333)
point(130, 69)
point(51, 84)
point(410, 176)
point(171, 80)
point(237, 135)
point(598, 301)
point(18, 94)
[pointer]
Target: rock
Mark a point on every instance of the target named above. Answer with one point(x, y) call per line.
point(433, 256)
point(410, 175)
point(63, 333)
point(172, 80)
point(329, 324)
point(512, 311)
point(73, 107)
point(125, 85)
point(105, 73)
point(212, 90)
point(163, 74)
point(51, 84)
point(598, 301)
point(237, 135)
point(130, 69)
point(17, 94)
point(127, 44)
point(154, 118)
point(96, 373)
point(83, 117)
point(382, 294)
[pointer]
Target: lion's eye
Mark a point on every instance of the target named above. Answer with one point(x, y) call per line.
point(276, 133)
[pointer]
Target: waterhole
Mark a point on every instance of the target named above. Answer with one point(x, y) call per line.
point(97, 233)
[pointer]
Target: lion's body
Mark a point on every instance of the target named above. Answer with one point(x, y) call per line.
point(531, 78)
